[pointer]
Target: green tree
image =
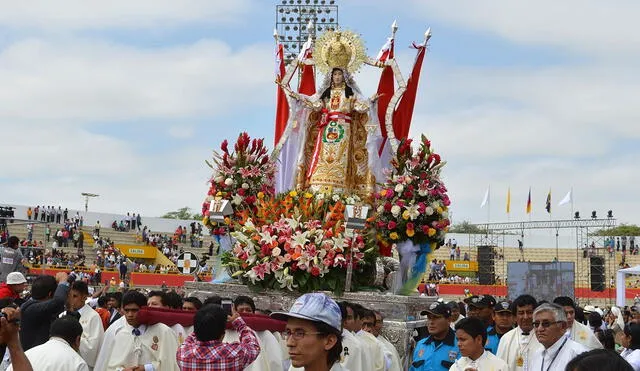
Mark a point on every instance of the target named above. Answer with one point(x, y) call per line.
point(466, 227)
point(621, 230)
point(183, 213)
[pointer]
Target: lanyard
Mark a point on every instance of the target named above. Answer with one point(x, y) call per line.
point(554, 357)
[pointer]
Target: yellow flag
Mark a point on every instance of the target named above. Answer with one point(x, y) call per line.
point(509, 200)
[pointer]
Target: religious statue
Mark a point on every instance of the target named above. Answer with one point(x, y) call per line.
point(336, 131)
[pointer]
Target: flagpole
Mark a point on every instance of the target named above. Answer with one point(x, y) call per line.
point(489, 205)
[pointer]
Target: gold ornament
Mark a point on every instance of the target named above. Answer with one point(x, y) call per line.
point(340, 49)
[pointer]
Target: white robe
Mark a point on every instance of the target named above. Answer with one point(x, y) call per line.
point(560, 356)
point(157, 345)
point(583, 335)
point(92, 334)
point(55, 355)
point(375, 350)
point(515, 348)
point(270, 357)
point(107, 344)
point(391, 353)
point(486, 362)
point(632, 357)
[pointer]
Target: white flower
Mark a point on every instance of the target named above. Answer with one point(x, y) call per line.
point(428, 210)
point(399, 188)
point(380, 209)
point(276, 251)
point(245, 185)
point(218, 179)
point(320, 196)
point(395, 210)
point(236, 200)
point(423, 192)
point(336, 198)
point(228, 181)
point(445, 214)
point(413, 211)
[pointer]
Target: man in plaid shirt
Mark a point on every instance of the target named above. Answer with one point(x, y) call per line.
point(204, 350)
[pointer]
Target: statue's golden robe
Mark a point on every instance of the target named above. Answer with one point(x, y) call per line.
point(335, 153)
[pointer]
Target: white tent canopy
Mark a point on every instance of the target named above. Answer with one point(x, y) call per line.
point(621, 286)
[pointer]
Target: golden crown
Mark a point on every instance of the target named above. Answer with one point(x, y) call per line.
point(341, 49)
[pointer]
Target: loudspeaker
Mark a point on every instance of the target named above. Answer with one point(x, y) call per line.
point(486, 278)
point(597, 273)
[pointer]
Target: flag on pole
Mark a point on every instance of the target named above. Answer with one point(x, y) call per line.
point(529, 202)
point(568, 198)
point(282, 106)
point(485, 200)
point(307, 84)
point(386, 87)
point(404, 110)
point(509, 200)
point(548, 205)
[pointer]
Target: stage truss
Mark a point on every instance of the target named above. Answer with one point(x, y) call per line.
point(495, 235)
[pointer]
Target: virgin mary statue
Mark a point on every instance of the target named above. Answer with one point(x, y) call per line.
point(331, 140)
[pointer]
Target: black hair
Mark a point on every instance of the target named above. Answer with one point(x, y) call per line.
point(67, 328)
point(174, 300)
point(324, 330)
point(564, 301)
point(161, 294)
point(358, 310)
point(134, 297)
point(343, 310)
point(209, 322)
point(595, 320)
point(214, 299)
point(13, 242)
point(80, 287)
point(243, 299)
point(117, 296)
point(598, 359)
point(43, 286)
point(607, 339)
point(102, 301)
point(348, 91)
point(579, 315)
point(195, 301)
point(368, 313)
point(474, 327)
point(523, 301)
point(633, 330)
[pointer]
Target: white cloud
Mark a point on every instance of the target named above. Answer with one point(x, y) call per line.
point(139, 14)
point(181, 131)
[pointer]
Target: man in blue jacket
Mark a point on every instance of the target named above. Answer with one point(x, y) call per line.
point(439, 350)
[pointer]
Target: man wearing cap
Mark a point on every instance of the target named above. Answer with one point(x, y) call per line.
point(14, 286)
point(576, 331)
point(455, 313)
point(313, 333)
point(439, 350)
point(482, 307)
point(518, 345)
point(503, 323)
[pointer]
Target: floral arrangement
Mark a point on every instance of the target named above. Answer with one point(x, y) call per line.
point(296, 241)
point(412, 204)
point(239, 176)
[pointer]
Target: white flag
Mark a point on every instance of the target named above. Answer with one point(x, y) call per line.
point(485, 200)
point(566, 199)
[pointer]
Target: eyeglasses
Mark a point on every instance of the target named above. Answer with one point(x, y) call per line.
point(544, 324)
point(298, 334)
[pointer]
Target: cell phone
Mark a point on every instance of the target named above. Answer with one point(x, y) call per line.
point(227, 305)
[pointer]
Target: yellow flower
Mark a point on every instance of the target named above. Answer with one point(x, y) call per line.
point(410, 232)
point(439, 210)
point(431, 232)
point(293, 193)
point(308, 195)
point(406, 215)
point(393, 236)
point(261, 195)
point(219, 193)
point(205, 220)
point(383, 192)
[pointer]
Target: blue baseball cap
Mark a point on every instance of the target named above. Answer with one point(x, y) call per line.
point(314, 307)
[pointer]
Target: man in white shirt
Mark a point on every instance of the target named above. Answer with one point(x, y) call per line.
point(550, 324)
point(455, 313)
point(472, 335)
point(381, 359)
point(148, 348)
point(576, 331)
point(517, 346)
point(92, 328)
point(390, 350)
point(353, 356)
point(60, 352)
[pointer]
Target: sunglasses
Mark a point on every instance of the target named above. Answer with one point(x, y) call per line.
point(544, 324)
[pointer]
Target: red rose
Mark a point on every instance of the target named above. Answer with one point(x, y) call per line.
point(315, 271)
point(225, 146)
point(391, 225)
point(410, 225)
point(387, 206)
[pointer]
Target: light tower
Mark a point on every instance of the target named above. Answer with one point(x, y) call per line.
point(293, 16)
point(86, 199)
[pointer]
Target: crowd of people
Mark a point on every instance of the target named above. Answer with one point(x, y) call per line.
point(49, 214)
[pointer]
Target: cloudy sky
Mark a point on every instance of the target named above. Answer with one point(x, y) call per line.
point(128, 98)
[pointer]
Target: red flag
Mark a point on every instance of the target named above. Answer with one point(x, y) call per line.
point(386, 88)
point(282, 106)
point(404, 111)
point(308, 78)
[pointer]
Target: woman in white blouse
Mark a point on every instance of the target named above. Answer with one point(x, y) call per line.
point(630, 340)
